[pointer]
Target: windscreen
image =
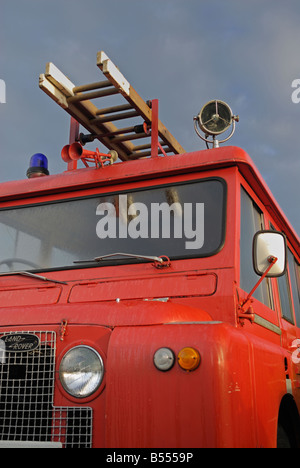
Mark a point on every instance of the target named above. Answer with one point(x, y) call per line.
point(178, 221)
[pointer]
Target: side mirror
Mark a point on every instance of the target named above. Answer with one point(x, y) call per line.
point(267, 245)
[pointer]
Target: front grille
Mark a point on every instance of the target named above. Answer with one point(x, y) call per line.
point(27, 412)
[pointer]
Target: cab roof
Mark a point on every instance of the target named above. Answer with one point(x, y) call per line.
point(152, 168)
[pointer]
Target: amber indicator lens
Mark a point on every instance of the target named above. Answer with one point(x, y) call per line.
point(189, 359)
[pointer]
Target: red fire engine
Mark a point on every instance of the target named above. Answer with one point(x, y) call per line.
point(149, 297)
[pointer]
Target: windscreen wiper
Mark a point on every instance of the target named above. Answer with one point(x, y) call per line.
point(32, 275)
point(159, 260)
point(103, 257)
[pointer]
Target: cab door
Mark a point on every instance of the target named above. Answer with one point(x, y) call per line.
point(288, 289)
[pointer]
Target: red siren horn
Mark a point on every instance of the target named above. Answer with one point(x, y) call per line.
point(77, 152)
point(65, 154)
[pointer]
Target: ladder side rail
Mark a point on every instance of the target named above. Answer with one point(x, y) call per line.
point(76, 100)
point(113, 74)
point(60, 90)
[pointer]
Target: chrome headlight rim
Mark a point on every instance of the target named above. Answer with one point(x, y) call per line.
point(95, 388)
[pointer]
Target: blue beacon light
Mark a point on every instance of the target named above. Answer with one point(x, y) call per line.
point(38, 166)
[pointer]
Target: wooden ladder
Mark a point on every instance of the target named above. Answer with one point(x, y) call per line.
point(78, 102)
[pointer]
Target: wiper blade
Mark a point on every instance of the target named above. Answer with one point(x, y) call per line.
point(142, 257)
point(32, 275)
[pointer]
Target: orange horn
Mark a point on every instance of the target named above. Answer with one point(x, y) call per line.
point(65, 154)
point(76, 152)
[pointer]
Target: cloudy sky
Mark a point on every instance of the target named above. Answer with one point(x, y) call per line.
point(183, 52)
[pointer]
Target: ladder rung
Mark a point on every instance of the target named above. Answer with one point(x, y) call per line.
point(148, 146)
point(130, 137)
point(112, 110)
point(121, 131)
point(92, 95)
point(92, 86)
point(113, 118)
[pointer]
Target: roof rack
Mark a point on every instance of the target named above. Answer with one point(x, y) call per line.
point(98, 121)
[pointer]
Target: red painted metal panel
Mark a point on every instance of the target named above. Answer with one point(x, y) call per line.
point(210, 407)
point(20, 297)
point(143, 288)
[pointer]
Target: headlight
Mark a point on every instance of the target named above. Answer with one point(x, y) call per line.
point(81, 371)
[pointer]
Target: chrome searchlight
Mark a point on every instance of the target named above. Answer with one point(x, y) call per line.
point(215, 118)
point(38, 166)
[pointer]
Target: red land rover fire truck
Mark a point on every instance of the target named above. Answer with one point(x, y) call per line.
point(149, 298)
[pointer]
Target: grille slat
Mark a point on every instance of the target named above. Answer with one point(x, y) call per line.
point(27, 413)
